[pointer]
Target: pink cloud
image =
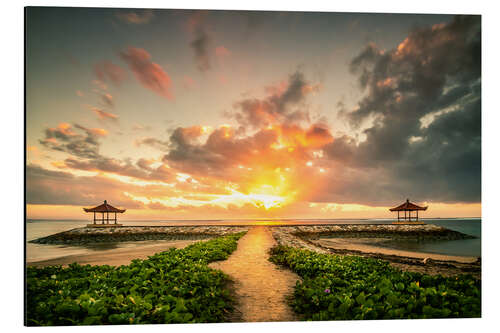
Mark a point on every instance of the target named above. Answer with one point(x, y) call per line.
point(149, 74)
point(222, 52)
point(188, 82)
point(103, 114)
point(107, 71)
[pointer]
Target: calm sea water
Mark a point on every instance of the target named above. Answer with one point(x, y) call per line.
point(41, 228)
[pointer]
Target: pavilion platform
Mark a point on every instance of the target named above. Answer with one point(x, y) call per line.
point(90, 225)
point(407, 208)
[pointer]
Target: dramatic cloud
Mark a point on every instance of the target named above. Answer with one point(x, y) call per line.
point(47, 187)
point(141, 170)
point(149, 74)
point(69, 139)
point(107, 71)
point(424, 98)
point(142, 17)
point(84, 150)
point(248, 159)
point(281, 106)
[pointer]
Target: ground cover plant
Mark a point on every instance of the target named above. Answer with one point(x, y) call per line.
point(175, 286)
point(350, 288)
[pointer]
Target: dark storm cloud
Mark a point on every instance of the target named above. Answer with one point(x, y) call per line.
point(275, 108)
point(433, 75)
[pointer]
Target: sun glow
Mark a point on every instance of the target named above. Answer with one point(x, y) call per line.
point(259, 200)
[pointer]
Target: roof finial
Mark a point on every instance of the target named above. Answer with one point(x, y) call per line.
point(105, 202)
point(407, 200)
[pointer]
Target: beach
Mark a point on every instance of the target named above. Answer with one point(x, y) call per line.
point(114, 256)
point(260, 289)
point(120, 245)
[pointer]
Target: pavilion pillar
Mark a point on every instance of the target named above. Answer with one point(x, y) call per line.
point(398, 215)
point(417, 215)
point(94, 217)
point(405, 215)
point(102, 217)
point(115, 217)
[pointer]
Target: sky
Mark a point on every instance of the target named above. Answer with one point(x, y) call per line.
point(177, 114)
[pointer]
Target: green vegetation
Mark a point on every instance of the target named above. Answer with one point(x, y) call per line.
point(349, 287)
point(175, 286)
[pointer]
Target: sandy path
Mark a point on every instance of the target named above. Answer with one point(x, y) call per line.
point(260, 286)
point(114, 257)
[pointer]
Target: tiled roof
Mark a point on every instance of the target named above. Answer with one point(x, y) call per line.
point(407, 206)
point(104, 208)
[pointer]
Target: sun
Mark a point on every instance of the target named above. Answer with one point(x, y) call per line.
point(266, 201)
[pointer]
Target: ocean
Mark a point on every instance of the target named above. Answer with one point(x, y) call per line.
point(41, 228)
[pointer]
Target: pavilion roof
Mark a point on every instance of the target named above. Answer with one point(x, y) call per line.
point(104, 208)
point(407, 206)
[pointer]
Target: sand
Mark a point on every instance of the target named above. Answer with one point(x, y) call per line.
point(261, 287)
point(116, 256)
point(427, 263)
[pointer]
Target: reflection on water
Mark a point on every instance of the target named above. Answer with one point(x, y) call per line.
point(462, 247)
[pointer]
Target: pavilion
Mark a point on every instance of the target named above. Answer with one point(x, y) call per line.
point(408, 207)
point(104, 209)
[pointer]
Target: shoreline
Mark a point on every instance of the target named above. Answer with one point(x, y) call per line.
point(113, 257)
point(310, 238)
point(88, 235)
point(359, 239)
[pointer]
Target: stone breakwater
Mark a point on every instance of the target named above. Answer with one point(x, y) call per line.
point(305, 237)
point(393, 231)
point(86, 235)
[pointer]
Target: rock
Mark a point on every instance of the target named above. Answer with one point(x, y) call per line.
point(80, 236)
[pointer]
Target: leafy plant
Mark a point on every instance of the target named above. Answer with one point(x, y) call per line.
point(175, 286)
point(350, 287)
